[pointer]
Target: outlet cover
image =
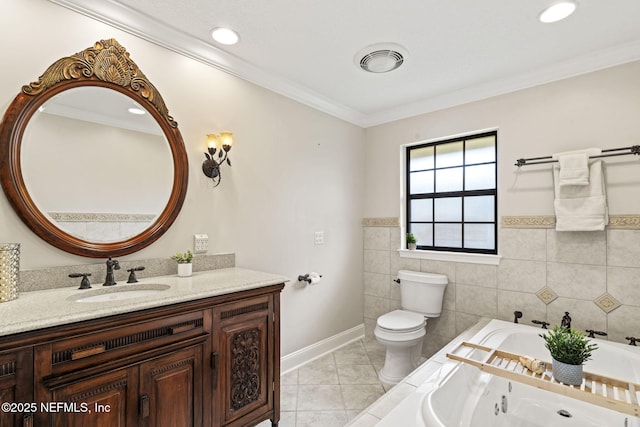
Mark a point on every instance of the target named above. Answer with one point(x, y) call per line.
point(200, 243)
point(319, 238)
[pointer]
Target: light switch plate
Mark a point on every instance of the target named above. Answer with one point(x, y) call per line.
point(319, 238)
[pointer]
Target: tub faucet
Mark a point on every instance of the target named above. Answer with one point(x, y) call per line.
point(112, 264)
point(592, 333)
point(541, 322)
point(566, 320)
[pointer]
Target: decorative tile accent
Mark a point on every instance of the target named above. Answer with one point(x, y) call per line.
point(381, 222)
point(607, 302)
point(546, 221)
point(629, 222)
point(546, 295)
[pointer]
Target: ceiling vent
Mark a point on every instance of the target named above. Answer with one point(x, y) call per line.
point(380, 58)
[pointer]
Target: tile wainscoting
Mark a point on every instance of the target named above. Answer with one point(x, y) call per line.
point(543, 273)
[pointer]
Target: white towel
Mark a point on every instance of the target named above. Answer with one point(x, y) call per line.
point(574, 166)
point(581, 208)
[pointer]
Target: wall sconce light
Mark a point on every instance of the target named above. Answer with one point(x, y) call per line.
point(220, 144)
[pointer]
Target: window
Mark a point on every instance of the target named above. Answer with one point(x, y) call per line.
point(452, 195)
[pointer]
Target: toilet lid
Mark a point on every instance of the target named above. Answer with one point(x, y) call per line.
point(400, 320)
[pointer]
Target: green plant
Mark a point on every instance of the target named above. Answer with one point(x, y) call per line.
point(411, 238)
point(568, 345)
point(183, 258)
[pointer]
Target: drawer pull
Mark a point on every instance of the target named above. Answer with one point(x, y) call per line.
point(86, 352)
point(144, 406)
point(181, 328)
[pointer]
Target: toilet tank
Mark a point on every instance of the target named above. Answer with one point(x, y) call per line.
point(422, 292)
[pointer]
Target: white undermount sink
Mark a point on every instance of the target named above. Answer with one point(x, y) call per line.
point(122, 293)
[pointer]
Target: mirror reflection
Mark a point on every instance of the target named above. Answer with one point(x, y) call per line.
point(97, 164)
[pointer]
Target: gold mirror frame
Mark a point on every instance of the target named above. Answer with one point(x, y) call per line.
point(107, 64)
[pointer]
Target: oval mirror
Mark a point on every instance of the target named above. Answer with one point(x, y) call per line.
point(91, 160)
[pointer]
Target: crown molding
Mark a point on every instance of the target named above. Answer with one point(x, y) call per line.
point(141, 25)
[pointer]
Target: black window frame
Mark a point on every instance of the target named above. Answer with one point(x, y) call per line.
point(451, 194)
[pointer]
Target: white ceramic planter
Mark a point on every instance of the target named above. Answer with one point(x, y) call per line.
point(566, 373)
point(185, 270)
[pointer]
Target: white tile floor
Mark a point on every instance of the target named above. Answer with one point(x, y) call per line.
point(334, 389)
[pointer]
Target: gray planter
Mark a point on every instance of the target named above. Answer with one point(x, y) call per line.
point(412, 246)
point(566, 373)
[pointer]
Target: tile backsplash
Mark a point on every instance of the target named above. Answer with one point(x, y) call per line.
point(595, 276)
point(58, 277)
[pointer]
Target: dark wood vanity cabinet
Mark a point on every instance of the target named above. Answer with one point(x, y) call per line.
point(246, 358)
point(16, 378)
point(209, 362)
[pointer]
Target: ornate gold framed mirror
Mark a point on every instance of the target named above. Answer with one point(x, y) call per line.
point(90, 158)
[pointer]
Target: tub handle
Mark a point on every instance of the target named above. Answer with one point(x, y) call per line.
point(592, 333)
point(632, 340)
point(517, 315)
point(397, 280)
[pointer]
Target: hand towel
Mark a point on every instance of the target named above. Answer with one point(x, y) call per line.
point(581, 208)
point(574, 166)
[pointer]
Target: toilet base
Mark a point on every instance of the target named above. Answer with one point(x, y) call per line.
point(401, 359)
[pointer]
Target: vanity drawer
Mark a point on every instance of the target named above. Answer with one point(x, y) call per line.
point(121, 345)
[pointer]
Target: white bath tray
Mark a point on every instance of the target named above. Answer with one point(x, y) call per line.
point(598, 390)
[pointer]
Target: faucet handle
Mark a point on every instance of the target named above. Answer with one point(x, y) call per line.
point(632, 340)
point(84, 284)
point(517, 315)
point(541, 322)
point(592, 333)
point(132, 274)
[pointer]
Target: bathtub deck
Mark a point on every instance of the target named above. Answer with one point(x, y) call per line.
point(610, 393)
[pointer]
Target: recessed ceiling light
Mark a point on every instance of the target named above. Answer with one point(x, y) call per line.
point(380, 58)
point(225, 36)
point(135, 110)
point(557, 11)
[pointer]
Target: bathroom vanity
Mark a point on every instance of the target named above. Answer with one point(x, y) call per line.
point(201, 351)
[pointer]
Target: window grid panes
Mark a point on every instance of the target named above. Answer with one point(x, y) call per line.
point(452, 194)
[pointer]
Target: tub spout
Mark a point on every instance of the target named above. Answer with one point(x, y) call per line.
point(541, 322)
point(593, 333)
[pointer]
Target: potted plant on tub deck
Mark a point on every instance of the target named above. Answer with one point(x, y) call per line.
point(569, 350)
point(184, 263)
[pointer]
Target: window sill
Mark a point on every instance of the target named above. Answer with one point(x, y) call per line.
point(451, 256)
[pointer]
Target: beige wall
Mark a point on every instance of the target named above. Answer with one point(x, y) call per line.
point(595, 110)
point(295, 171)
point(599, 109)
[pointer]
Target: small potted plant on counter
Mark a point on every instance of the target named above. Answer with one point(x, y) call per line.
point(184, 263)
point(411, 241)
point(569, 350)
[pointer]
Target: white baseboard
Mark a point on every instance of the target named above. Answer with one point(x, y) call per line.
point(305, 355)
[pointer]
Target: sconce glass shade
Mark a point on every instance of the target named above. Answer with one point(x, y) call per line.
point(212, 140)
point(226, 139)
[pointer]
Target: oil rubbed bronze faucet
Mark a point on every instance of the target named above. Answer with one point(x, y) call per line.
point(112, 264)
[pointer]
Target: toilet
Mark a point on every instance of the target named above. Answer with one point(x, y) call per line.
point(402, 331)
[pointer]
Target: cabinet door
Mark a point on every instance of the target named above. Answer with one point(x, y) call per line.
point(244, 361)
point(107, 400)
point(16, 385)
point(171, 389)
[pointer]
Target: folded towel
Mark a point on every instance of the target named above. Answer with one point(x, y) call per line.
point(574, 166)
point(581, 208)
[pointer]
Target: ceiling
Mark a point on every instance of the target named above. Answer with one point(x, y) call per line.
point(458, 50)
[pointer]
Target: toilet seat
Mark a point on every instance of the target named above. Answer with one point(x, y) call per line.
point(401, 321)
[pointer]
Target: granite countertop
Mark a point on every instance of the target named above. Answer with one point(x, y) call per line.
point(52, 307)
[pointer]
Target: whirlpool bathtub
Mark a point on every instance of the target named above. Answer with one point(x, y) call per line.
point(464, 395)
